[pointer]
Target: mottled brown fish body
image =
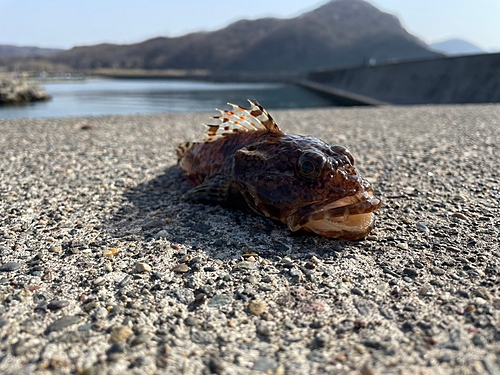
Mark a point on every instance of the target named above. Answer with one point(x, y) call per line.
point(298, 180)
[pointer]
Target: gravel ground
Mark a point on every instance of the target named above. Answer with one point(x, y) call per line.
point(104, 269)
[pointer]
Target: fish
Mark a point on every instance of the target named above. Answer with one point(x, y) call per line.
point(247, 161)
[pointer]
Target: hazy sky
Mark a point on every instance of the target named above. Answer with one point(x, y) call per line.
point(67, 23)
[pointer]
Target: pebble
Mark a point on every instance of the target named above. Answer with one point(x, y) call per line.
point(478, 340)
point(460, 216)
point(267, 365)
point(410, 272)
point(216, 366)
point(10, 266)
point(427, 290)
point(357, 291)
point(57, 304)
point(115, 351)
point(422, 228)
point(257, 307)
point(367, 370)
point(220, 300)
point(120, 334)
point(162, 234)
point(180, 268)
point(191, 321)
point(263, 330)
point(62, 323)
point(437, 271)
point(139, 339)
point(402, 245)
point(142, 267)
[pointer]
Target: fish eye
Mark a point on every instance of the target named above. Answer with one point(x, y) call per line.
point(310, 165)
point(343, 151)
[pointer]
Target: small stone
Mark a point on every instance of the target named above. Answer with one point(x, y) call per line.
point(191, 321)
point(357, 291)
point(266, 365)
point(180, 268)
point(422, 228)
point(115, 351)
point(367, 370)
point(10, 266)
point(460, 216)
point(62, 323)
point(99, 281)
point(216, 366)
point(437, 271)
point(57, 304)
point(220, 300)
point(110, 252)
point(100, 313)
point(90, 306)
point(341, 357)
point(410, 272)
point(427, 290)
point(162, 234)
point(257, 307)
point(479, 340)
point(139, 339)
point(142, 267)
point(55, 249)
point(245, 265)
point(120, 334)
point(320, 340)
point(402, 245)
point(125, 281)
point(263, 330)
point(200, 298)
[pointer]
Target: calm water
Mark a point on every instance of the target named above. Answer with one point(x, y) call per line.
point(105, 97)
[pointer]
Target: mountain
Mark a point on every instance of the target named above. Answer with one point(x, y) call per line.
point(456, 47)
point(7, 50)
point(339, 33)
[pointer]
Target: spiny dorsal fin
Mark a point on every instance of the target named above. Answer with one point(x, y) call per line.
point(241, 120)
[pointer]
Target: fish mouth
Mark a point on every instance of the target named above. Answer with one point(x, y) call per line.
point(348, 218)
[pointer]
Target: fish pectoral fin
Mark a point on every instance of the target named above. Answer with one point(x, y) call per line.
point(214, 190)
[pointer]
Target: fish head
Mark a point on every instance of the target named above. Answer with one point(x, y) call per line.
point(306, 184)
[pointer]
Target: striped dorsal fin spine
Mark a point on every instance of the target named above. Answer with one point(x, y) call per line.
point(241, 120)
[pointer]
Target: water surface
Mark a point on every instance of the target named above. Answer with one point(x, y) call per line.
point(96, 97)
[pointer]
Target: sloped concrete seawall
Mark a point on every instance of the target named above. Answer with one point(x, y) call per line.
point(465, 79)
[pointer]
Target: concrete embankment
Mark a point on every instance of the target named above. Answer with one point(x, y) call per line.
point(465, 79)
point(105, 269)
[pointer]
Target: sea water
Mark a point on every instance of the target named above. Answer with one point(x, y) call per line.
point(95, 97)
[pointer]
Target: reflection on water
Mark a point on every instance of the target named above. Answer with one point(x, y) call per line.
point(105, 97)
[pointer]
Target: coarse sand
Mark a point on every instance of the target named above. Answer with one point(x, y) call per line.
point(106, 270)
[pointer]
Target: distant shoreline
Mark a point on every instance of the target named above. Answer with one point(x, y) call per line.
point(199, 75)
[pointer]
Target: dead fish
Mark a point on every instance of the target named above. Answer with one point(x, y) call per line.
point(246, 160)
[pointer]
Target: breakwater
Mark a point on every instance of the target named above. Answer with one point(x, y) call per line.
point(464, 79)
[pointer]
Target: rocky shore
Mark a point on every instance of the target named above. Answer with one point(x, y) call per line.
point(104, 269)
point(18, 91)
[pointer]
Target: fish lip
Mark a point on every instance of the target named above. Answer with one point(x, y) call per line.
point(360, 203)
